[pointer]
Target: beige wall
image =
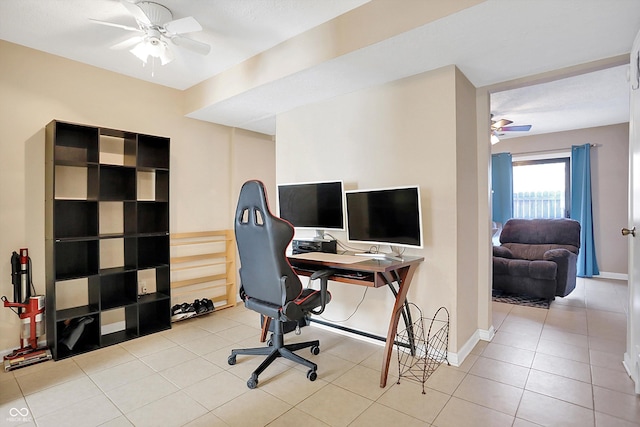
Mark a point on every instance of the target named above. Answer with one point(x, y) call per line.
point(467, 209)
point(609, 183)
point(409, 131)
point(36, 88)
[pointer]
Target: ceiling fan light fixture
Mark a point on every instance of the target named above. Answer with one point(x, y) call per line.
point(494, 139)
point(141, 51)
point(155, 48)
point(166, 55)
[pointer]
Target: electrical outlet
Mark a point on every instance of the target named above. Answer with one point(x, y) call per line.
point(142, 287)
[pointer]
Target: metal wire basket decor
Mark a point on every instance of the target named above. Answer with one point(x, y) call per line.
point(419, 355)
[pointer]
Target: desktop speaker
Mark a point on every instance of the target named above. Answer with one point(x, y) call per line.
point(304, 246)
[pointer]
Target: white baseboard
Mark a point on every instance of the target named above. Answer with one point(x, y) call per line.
point(456, 359)
point(487, 335)
point(633, 368)
point(614, 276)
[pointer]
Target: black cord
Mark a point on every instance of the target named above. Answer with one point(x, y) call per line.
point(354, 311)
point(30, 278)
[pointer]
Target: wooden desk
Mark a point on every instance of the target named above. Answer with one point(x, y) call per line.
point(374, 273)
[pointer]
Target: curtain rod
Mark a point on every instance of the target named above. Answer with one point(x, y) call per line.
point(551, 151)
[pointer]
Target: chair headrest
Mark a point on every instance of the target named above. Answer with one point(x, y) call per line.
point(253, 194)
point(262, 240)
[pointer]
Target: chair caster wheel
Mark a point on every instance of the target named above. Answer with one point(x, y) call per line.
point(252, 382)
point(315, 350)
point(312, 375)
point(270, 342)
point(231, 360)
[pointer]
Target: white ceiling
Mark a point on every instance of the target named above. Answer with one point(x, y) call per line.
point(599, 98)
point(493, 42)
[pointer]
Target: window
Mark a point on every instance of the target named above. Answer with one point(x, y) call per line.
point(541, 188)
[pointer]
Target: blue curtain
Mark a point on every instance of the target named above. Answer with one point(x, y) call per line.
point(581, 208)
point(502, 187)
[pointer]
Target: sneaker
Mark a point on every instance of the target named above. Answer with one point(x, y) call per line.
point(188, 309)
point(178, 312)
point(208, 304)
point(199, 307)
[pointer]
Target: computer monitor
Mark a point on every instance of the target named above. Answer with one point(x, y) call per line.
point(313, 205)
point(386, 216)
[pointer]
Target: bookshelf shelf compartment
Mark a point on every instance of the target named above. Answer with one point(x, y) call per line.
point(76, 219)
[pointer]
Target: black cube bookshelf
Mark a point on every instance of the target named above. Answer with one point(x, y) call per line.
point(102, 231)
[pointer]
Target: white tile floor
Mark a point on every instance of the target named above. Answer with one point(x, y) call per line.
point(553, 367)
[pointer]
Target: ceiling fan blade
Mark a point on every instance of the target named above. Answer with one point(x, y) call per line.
point(136, 11)
point(113, 24)
point(183, 25)
point(521, 128)
point(501, 123)
point(192, 45)
point(127, 43)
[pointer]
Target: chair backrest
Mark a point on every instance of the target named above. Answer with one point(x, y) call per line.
point(545, 233)
point(262, 239)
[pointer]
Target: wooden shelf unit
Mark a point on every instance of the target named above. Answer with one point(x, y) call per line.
point(106, 247)
point(203, 265)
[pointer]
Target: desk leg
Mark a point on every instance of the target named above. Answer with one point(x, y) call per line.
point(405, 274)
point(406, 312)
point(266, 321)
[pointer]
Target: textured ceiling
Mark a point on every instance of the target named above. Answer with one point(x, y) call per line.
point(235, 29)
point(594, 99)
point(492, 42)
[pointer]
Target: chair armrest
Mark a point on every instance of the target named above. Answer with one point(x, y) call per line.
point(323, 275)
point(502, 252)
point(566, 276)
point(557, 254)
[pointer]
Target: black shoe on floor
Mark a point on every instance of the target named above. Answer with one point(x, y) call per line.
point(208, 304)
point(199, 307)
point(188, 309)
point(177, 312)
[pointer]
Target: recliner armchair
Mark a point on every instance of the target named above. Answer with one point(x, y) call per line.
point(269, 285)
point(537, 257)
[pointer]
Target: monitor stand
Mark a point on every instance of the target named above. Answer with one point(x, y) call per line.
point(319, 237)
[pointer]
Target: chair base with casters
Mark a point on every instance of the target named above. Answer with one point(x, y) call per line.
point(276, 346)
point(276, 349)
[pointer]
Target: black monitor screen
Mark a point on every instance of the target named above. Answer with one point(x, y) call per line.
point(387, 216)
point(312, 205)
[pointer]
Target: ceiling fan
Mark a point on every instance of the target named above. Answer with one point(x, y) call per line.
point(157, 31)
point(502, 125)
